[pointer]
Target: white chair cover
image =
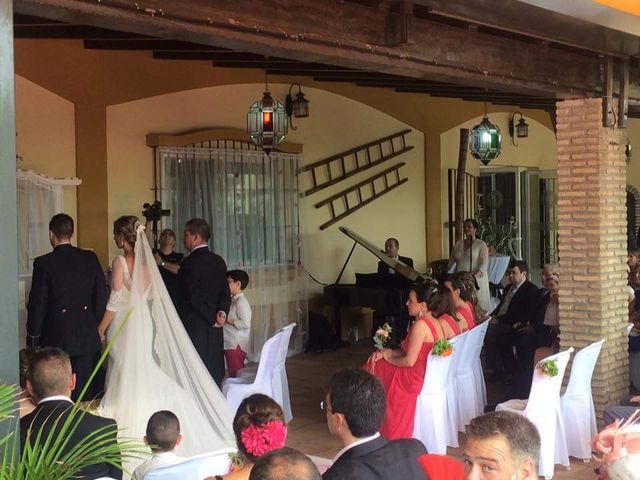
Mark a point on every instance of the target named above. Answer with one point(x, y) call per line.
point(544, 400)
point(453, 399)
point(478, 374)
point(431, 423)
point(578, 413)
point(198, 467)
point(237, 389)
point(469, 390)
point(269, 378)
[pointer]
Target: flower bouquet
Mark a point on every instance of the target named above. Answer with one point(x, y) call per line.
point(382, 336)
point(442, 348)
point(549, 368)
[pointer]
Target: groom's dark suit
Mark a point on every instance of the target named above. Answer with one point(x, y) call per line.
point(67, 299)
point(203, 291)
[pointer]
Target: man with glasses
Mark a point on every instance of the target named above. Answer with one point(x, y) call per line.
point(355, 406)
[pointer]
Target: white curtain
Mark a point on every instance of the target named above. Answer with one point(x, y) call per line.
point(38, 200)
point(251, 201)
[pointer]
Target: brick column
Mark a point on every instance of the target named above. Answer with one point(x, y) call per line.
point(593, 242)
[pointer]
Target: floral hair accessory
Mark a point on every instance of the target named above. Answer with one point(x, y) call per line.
point(615, 443)
point(261, 439)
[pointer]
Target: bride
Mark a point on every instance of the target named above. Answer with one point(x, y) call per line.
point(152, 363)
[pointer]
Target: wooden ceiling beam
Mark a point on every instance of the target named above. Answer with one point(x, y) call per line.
point(149, 44)
point(345, 34)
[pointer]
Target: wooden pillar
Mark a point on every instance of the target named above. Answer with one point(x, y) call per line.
point(8, 204)
point(592, 242)
point(94, 225)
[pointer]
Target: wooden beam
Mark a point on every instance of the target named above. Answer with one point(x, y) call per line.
point(344, 34)
point(623, 95)
point(608, 117)
point(149, 44)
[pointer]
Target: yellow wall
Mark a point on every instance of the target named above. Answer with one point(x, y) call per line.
point(538, 150)
point(46, 135)
point(336, 124)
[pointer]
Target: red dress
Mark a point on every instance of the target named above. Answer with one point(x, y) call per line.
point(455, 326)
point(402, 386)
point(467, 314)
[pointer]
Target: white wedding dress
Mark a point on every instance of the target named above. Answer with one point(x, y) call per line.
point(153, 364)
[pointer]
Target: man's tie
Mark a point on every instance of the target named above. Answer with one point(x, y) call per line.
point(507, 301)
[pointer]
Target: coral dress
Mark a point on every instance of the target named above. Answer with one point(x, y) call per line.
point(403, 384)
point(467, 314)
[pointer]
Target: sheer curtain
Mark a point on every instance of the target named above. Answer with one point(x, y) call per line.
point(251, 201)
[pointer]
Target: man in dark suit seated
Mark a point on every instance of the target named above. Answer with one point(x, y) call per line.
point(67, 300)
point(50, 384)
point(395, 314)
point(515, 311)
point(355, 407)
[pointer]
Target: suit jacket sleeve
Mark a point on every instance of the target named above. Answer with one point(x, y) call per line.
point(38, 301)
point(99, 294)
point(224, 294)
point(382, 268)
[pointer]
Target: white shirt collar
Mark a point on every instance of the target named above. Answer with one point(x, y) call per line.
point(360, 441)
point(53, 398)
point(237, 296)
point(199, 246)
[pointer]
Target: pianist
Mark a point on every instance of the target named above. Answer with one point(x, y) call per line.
point(394, 283)
point(387, 274)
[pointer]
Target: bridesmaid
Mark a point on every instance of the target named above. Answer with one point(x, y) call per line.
point(463, 289)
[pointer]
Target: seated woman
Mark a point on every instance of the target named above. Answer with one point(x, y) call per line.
point(259, 428)
point(402, 370)
point(462, 286)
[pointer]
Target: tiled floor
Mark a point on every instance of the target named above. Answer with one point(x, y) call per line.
point(308, 374)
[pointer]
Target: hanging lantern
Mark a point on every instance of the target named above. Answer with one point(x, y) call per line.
point(267, 122)
point(485, 141)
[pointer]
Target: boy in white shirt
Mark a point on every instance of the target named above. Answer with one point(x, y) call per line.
point(163, 436)
point(238, 324)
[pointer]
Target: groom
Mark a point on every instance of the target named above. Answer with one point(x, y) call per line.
point(204, 296)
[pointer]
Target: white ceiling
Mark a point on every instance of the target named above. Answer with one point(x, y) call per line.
point(592, 12)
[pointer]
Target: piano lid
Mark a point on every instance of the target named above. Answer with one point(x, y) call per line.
point(398, 266)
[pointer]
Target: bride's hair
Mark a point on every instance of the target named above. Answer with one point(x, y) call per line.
point(126, 225)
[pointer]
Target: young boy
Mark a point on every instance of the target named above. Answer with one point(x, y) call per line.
point(163, 436)
point(238, 324)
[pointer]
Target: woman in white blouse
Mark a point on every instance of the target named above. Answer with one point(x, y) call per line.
point(238, 325)
point(472, 255)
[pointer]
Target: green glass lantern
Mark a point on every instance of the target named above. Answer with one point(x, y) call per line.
point(485, 141)
point(267, 122)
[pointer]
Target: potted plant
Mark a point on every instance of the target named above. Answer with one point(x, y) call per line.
point(501, 239)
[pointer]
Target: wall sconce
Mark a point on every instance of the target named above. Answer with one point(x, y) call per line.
point(521, 130)
point(267, 122)
point(485, 141)
point(298, 108)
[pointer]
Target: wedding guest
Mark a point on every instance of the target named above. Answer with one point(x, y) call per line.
point(355, 409)
point(472, 255)
point(501, 446)
point(623, 410)
point(168, 261)
point(617, 448)
point(284, 464)
point(26, 402)
point(402, 370)
point(633, 259)
point(514, 311)
point(462, 287)
point(163, 436)
point(238, 324)
point(50, 383)
point(259, 428)
point(67, 299)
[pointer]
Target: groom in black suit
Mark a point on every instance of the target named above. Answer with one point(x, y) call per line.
point(67, 299)
point(204, 297)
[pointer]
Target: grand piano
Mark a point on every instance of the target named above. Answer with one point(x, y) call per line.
point(371, 290)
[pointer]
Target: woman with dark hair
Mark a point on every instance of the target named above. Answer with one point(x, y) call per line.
point(462, 286)
point(259, 428)
point(402, 370)
point(472, 255)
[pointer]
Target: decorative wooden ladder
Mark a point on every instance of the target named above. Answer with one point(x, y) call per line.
point(341, 166)
point(390, 179)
